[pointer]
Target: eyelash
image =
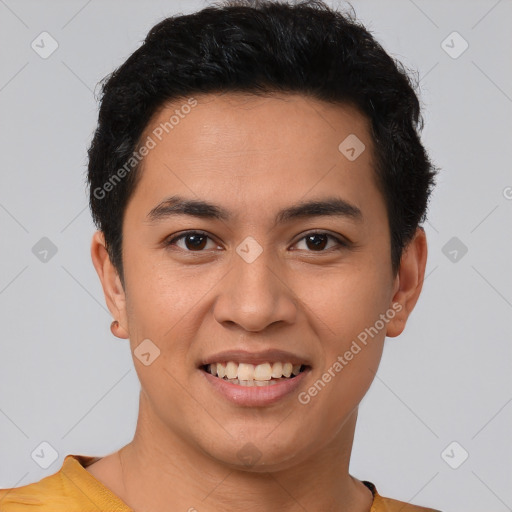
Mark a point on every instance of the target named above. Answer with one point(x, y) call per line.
point(340, 242)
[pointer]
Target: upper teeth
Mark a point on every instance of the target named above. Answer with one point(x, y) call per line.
point(247, 371)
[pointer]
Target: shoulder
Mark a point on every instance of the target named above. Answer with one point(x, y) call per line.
point(34, 496)
point(383, 504)
point(391, 505)
point(71, 489)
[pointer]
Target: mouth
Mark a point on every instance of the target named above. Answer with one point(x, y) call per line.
point(255, 379)
point(255, 375)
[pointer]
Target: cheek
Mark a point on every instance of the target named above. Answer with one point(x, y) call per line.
point(347, 313)
point(345, 301)
point(351, 339)
point(157, 291)
point(166, 303)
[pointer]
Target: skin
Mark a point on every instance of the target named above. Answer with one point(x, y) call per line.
point(253, 156)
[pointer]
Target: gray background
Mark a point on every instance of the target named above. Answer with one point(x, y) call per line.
point(65, 380)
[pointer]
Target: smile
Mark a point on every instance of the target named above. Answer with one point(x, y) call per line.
point(246, 374)
point(249, 385)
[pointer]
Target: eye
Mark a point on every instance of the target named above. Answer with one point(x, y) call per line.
point(318, 240)
point(194, 241)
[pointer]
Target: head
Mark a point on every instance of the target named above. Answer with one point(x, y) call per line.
point(287, 140)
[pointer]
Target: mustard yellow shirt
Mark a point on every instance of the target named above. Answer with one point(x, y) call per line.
point(74, 489)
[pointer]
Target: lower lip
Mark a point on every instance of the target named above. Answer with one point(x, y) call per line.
point(254, 396)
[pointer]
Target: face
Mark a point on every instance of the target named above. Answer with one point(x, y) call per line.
point(242, 281)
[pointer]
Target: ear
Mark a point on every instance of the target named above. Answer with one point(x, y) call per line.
point(408, 282)
point(111, 283)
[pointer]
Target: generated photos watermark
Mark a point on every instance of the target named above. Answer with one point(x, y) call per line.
point(151, 142)
point(304, 397)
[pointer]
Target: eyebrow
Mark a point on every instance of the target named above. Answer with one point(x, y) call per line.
point(330, 206)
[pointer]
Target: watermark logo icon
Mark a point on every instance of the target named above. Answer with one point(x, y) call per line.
point(44, 45)
point(454, 45)
point(44, 455)
point(351, 147)
point(249, 249)
point(146, 352)
point(249, 454)
point(454, 455)
point(454, 249)
point(44, 250)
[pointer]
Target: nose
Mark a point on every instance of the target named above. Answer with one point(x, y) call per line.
point(256, 294)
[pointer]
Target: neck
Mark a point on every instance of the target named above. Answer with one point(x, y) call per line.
point(162, 471)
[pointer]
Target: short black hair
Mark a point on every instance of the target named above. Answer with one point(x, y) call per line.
point(262, 47)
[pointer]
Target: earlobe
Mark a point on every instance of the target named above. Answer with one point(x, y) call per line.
point(118, 330)
point(408, 282)
point(111, 284)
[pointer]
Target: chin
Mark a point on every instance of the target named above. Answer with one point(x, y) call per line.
point(259, 454)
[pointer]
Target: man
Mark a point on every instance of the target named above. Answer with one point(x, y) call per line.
point(258, 183)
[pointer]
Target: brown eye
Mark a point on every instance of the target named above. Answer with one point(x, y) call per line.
point(317, 241)
point(194, 241)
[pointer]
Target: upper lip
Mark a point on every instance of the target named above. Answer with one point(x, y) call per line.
point(264, 356)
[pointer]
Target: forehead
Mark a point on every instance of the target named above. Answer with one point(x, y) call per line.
point(295, 123)
point(243, 150)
